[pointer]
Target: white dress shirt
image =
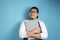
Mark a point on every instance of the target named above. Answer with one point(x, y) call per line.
point(22, 30)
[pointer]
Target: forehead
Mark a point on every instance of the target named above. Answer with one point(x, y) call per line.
point(33, 10)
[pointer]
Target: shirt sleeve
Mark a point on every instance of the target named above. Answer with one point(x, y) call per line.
point(22, 31)
point(44, 33)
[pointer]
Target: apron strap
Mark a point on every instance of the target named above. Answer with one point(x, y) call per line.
point(40, 27)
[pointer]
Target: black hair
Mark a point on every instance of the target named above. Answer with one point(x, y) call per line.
point(36, 9)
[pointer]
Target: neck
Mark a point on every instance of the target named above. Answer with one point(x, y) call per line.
point(32, 18)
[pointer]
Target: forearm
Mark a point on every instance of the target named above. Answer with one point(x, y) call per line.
point(29, 33)
point(37, 35)
point(33, 32)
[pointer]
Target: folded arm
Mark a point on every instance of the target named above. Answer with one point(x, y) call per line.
point(25, 34)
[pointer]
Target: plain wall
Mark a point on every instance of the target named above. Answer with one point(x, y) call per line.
point(13, 12)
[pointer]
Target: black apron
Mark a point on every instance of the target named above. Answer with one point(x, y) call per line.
point(35, 38)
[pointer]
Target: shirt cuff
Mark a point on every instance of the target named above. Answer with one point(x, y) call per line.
point(43, 35)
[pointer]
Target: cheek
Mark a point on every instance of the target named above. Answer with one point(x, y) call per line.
point(36, 15)
point(31, 14)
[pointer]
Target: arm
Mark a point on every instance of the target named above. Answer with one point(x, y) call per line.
point(33, 32)
point(37, 36)
point(22, 32)
point(44, 33)
point(36, 33)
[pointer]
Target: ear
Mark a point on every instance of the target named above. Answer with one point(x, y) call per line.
point(38, 14)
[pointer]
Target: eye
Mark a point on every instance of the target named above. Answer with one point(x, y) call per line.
point(33, 11)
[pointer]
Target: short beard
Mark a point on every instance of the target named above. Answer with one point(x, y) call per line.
point(31, 18)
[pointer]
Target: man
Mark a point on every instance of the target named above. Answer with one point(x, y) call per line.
point(35, 34)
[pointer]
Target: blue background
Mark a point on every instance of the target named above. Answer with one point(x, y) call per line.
point(12, 12)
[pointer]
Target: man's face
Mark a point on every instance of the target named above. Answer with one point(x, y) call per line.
point(33, 13)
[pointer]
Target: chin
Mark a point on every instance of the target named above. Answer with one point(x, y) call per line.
point(32, 17)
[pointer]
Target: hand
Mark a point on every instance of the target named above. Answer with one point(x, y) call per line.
point(37, 30)
point(29, 33)
point(36, 36)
